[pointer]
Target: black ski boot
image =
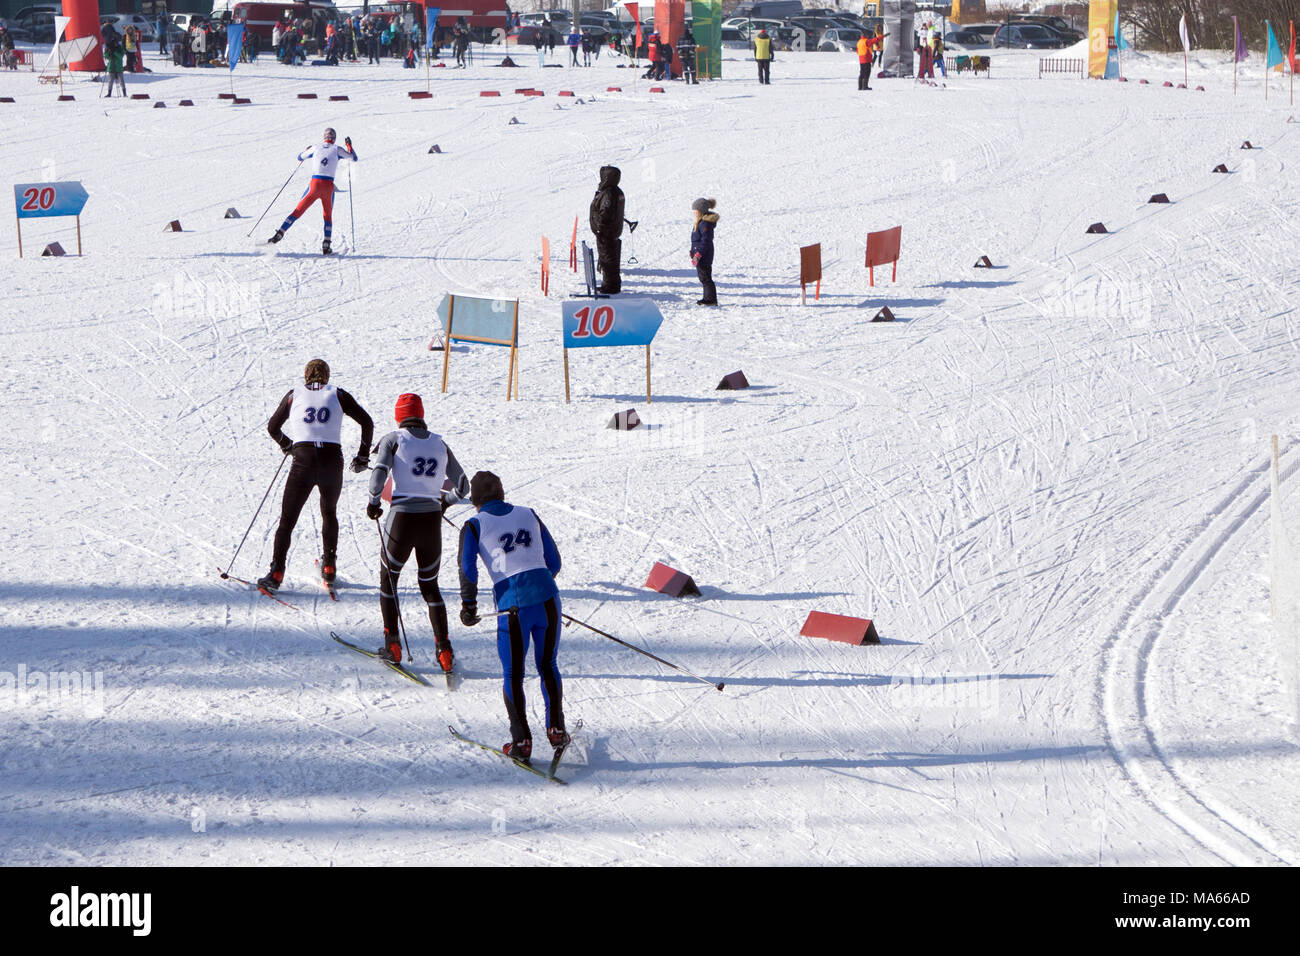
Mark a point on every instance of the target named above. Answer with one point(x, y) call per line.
point(521, 750)
point(392, 649)
point(438, 619)
point(272, 580)
point(279, 234)
point(328, 568)
point(325, 248)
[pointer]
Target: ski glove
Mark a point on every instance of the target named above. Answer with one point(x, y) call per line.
point(469, 613)
point(286, 444)
point(374, 511)
point(360, 463)
point(695, 258)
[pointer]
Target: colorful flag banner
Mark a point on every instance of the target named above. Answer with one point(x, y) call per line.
point(234, 44)
point(1241, 52)
point(1274, 58)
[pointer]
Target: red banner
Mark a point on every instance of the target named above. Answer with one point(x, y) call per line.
point(633, 9)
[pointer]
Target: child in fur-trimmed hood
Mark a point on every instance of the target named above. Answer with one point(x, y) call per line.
point(706, 220)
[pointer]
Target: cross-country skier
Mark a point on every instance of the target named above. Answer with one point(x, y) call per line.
point(325, 163)
point(419, 462)
point(313, 414)
point(522, 559)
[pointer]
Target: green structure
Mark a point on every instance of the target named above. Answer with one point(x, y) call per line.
point(707, 28)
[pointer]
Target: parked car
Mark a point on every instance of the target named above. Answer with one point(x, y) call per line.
point(986, 30)
point(1057, 25)
point(966, 40)
point(813, 28)
point(733, 39)
point(39, 25)
point(773, 9)
point(839, 41)
point(120, 21)
point(53, 9)
point(782, 37)
point(1027, 36)
point(526, 35)
point(757, 23)
point(18, 34)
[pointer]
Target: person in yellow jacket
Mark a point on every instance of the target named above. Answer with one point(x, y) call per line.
point(867, 45)
point(763, 55)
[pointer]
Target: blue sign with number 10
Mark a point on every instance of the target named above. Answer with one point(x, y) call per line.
point(589, 324)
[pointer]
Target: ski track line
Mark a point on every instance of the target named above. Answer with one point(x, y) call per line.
point(1122, 689)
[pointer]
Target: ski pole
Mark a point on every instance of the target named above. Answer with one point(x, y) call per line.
point(226, 573)
point(616, 640)
point(277, 196)
point(352, 223)
point(401, 625)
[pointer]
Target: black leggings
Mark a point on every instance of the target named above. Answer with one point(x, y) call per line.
point(314, 466)
point(864, 75)
point(404, 532)
point(705, 271)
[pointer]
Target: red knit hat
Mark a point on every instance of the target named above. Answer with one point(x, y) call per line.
point(409, 405)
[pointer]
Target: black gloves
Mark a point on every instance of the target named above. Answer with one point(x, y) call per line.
point(286, 444)
point(347, 141)
point(469, 613)
point(360, 463)
point(374, 511)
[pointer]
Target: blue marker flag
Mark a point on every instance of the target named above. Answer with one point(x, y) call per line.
point(234, 44)
point(430, 25)
point(1274, 51)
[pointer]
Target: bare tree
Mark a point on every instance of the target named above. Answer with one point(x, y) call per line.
point(1209, 22)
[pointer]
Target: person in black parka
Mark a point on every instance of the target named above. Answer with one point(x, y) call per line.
point(706, 220)
point(606, 215)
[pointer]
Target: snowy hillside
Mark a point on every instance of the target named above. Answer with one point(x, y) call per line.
point(1046, 482)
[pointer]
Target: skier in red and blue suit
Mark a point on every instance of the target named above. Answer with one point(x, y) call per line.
point(325, 164)
point(522, 559)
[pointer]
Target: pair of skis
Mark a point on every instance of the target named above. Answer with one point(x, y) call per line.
point(547, 774)
point(329, 587)
point(393, 665)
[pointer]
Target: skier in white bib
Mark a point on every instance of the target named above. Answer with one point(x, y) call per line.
point(324, 164)
point(522, 559)
point(426, 479)
point(311, 417)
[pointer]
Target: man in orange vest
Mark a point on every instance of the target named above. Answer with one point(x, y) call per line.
point(866, 55)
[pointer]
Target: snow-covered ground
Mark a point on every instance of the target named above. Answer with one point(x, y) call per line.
point(1045, 482)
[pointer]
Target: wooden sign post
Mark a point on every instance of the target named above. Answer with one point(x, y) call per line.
point(43, 200)
point(810, 270)
point(618, 322)
point(486, 322)
point(882, 249)
point(546, 266)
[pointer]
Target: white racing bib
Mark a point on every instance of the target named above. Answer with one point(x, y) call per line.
point(510, 543)
point(419, 466)
point(315, 415)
